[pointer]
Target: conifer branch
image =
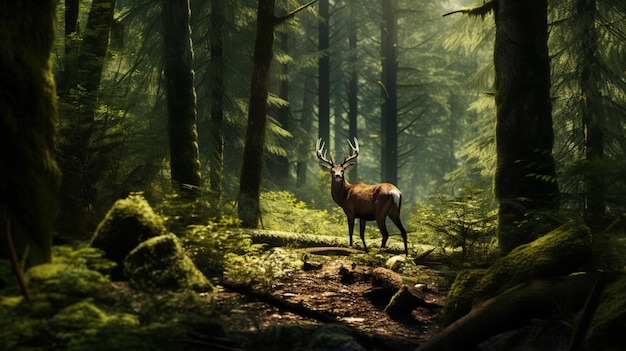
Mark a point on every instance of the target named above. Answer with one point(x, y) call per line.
point(481, 10)
point(283, 18)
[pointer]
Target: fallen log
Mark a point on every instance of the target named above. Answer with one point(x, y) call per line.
point(512, 309)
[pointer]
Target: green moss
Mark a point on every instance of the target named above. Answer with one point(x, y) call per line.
point(160, 263)
point(58, 283)
point(609, 322)
point(559, 252)
point(129, 222)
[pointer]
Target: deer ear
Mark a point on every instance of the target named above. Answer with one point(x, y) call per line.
point(349, 166)
point(325, 167)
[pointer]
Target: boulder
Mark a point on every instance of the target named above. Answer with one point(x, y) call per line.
point(129, 222)
point(160, 263)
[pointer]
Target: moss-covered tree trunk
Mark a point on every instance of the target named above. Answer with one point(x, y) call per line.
point(525, 179)
point(250, 182)
point(29, 175)
point(181, 98)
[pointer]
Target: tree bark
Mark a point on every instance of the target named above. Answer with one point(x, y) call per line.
point(181, 98)
point(389, 108)
point(525, 179)
point(252, 165)
point(29, 175)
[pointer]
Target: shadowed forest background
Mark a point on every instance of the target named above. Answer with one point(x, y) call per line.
point(136, 133)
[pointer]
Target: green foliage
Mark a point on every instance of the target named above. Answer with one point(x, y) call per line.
point(179, 212)
point(464, 221)
point(263, 268)
point(208, 245)
point(77, 308)
point(280, 210)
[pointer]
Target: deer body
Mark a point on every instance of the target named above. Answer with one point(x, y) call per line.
point(366, 202)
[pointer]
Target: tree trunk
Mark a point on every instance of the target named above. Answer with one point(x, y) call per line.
point(389, 108)
point(71, 42)
point(324, 71)
point(353, 83)
point(250, 182)
point(78, 106)
point(216, 137)
point(29, 176)
point(591, 112)
point(181, 98)
point(525, 179)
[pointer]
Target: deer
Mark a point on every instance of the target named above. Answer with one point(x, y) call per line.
point(362, 201)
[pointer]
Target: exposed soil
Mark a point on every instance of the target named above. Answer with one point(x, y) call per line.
point(339, 288)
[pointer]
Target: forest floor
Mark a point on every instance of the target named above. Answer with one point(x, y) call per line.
point(337, 287)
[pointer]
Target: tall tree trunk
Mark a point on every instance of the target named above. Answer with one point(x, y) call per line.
point(591, 112)
point(389, 108)
point(78, 107)
point(216, 137)
point(353, 83)
point(250, 182)
point(181, 98)
point(70, 56)
point(324, 71)
point(252, 163)
point(525, 179)
point(29, 176)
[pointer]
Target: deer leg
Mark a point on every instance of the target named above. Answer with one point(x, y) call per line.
point(383, 231)
point(396, 221)
point(350, 227)
point(362, 223)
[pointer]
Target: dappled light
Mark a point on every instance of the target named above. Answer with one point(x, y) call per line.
point(189, 175)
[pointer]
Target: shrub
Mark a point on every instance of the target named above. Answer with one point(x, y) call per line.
point(464, 222)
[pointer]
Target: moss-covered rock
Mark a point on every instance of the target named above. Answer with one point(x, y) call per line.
point(609, 322)
point(55, 285)
point(559, 252)
point(129, 222)
point(160, 263)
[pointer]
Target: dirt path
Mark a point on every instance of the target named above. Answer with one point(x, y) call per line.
point(337, 287)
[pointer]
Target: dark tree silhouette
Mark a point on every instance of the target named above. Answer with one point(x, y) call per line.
point(525, 179)
point(252, 163)
point(181, 98)
point(216, 138)
point(29, 175)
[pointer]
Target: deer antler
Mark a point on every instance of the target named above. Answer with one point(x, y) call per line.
point(355, 152)
point(322, 155)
